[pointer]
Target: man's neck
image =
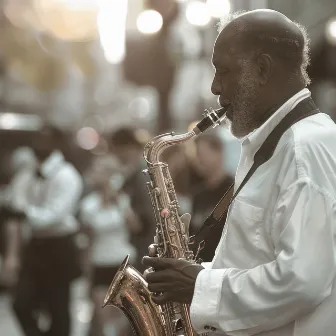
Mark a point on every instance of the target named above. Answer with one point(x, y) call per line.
point(277, 103)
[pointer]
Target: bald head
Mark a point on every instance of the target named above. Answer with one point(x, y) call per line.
point(260, 59)
point(263, 21)
point(270, 32)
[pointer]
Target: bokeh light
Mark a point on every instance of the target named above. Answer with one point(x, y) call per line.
point(87, 138)
point(149, 22)
point(331, 31)
point(70, 20)
point(197, 13)
point(218, 8)
point(139, 107)
point(111, 21)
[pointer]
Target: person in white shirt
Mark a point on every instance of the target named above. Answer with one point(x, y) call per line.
point(274, 270)
point(107, 213)
point(45, 201)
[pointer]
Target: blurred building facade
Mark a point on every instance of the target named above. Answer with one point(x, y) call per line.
point(88, 79)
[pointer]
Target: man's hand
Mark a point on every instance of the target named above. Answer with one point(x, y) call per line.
point(173, 279)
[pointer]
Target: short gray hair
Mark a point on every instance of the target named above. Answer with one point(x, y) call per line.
point(293, 52)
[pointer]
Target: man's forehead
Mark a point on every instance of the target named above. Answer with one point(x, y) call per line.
point(223, 49)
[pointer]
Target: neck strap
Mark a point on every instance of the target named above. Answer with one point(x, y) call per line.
point(304, 109)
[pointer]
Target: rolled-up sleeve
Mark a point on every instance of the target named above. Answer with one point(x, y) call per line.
point(249, 301)
point(62, 197)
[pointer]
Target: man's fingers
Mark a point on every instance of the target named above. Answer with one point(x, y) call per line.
point(158, 263)
point(161, 276)
point(159, 287)
point(162, 298)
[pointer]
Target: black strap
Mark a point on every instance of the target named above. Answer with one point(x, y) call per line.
point(302, 110)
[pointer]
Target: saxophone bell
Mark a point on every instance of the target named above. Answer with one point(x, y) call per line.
point(129, 289)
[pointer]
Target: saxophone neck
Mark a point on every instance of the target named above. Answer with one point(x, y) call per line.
point(153, 149)
point(157, 145)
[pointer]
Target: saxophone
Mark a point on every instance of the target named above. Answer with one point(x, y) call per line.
point(128, 290)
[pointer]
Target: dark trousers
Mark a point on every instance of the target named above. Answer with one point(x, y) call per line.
point(30, 300)
point(48, 267)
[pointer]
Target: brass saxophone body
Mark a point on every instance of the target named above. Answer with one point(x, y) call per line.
point(128, 290)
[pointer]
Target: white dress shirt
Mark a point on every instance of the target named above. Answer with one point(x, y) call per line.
point(274, 269)
point(51, 202)
point(111, 242)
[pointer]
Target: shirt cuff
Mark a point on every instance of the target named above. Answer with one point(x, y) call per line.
point(207, 264)
point(207, 296)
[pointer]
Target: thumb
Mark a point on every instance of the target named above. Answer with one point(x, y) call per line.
point(185, 219)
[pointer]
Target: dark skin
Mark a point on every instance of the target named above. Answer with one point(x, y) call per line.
point(267, 83)
point(266, 73)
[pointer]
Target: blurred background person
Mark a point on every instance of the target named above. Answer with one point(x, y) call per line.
point(127, 144)
point(93, 67)
point(22, 159)
point(180, 172)
point(107, 213)
point(209, 160)
point(43, 202)
point(184, 173)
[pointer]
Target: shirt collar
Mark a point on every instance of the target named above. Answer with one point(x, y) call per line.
point(256, 138)
point(50, 165)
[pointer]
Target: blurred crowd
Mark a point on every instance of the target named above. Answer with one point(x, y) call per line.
point(58, 224)
point(74, 209)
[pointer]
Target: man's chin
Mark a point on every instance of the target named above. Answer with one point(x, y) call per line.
point(237, 132)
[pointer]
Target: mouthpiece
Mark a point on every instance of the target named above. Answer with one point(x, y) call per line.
point(211, 118)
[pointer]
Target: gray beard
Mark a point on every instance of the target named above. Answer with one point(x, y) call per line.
point(244, 104)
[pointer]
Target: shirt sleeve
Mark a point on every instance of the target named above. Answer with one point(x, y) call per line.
point(249, 301)
point(207, 264)
point(62, 197)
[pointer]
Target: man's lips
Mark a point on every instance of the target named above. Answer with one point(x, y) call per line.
point(226, 104)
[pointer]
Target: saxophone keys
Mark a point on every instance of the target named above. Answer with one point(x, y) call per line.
point(152, 250)
point(165, 213)
point(147, 271)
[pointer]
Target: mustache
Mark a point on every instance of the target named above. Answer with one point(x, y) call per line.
point(223, 102)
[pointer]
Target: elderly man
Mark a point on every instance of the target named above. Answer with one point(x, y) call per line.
point(274, 268)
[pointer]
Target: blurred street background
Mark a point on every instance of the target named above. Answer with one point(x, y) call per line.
point(105, 76)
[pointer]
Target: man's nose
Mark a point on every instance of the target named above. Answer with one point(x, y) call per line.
point(215, 87)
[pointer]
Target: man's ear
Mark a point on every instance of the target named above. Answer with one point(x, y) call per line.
point(265, 68)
